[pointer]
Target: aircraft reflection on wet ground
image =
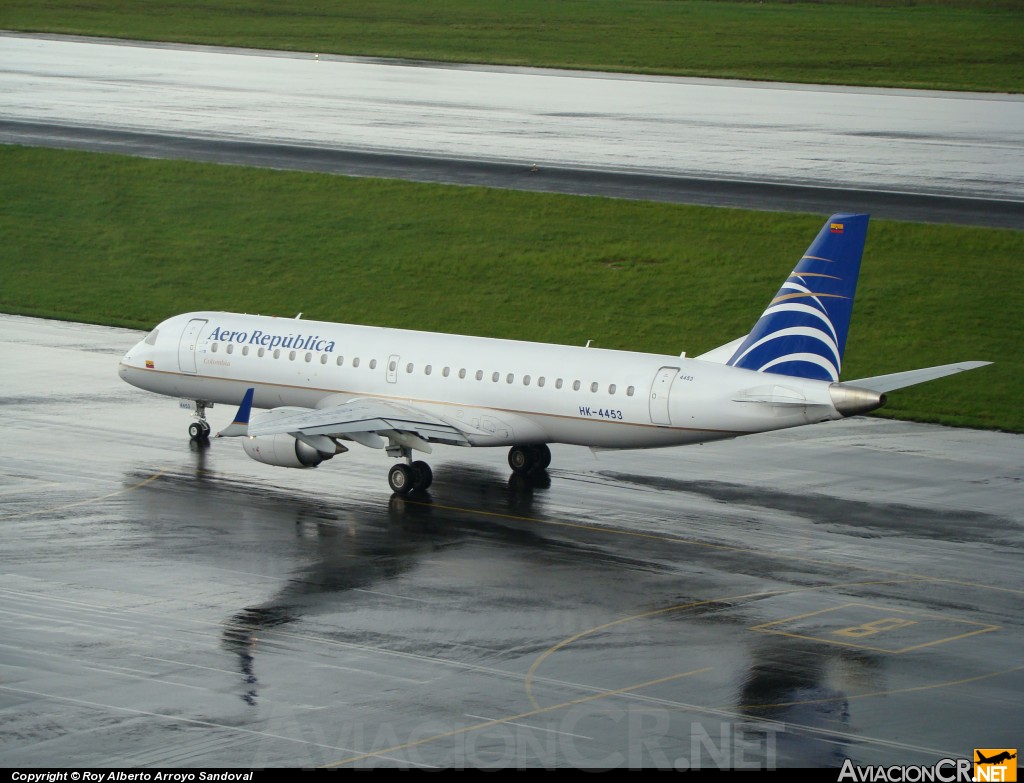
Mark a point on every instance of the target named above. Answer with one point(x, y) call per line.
point(343, 549)
point(495, 575)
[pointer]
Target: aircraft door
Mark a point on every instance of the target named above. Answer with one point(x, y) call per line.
point(187, 345)
point(659, 394)
point(393, 361)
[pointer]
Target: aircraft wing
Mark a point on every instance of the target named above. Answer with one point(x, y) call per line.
point(365, 421)
point(352, 419)
point(900, 380)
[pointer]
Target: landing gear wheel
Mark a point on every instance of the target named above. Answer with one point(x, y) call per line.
point(424, 476)
point(522, 460)
point(199, 430)
point(542, 456)
point(527, 460)
point(401, 478)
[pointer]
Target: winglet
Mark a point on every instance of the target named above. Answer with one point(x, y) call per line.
point(240, 426)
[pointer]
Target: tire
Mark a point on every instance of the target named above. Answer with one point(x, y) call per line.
point(541, 456)
point(423, 475)
point(401, 478)
point(197, 432)
point(521, 460)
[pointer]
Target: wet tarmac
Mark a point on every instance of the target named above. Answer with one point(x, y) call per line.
point(899, 154)
point(846, 590)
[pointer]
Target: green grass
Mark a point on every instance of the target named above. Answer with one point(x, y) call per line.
point(125, 241)
point(943, 44)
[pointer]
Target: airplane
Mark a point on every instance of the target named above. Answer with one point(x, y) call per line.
point(325, 386)
point(999, 758)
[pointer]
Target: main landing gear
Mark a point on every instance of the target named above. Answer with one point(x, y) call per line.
point(411, 475)
point(199, 430)
point(416, 476)
point(527, 460)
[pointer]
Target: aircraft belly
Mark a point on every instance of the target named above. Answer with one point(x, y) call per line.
point(619, 435)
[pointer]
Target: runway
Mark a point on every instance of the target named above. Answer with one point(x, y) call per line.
point(849, 590)
point(907, 155)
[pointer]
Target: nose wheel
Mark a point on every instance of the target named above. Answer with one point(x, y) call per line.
point(198, 430)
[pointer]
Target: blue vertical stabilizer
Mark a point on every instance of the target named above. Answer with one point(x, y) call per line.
point(803, 331)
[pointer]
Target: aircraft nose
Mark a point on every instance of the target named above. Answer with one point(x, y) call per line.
point(127, 361)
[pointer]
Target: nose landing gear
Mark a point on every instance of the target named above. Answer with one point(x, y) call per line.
point(199, 430)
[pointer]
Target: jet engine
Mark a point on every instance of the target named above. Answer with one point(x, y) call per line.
point(283, 451)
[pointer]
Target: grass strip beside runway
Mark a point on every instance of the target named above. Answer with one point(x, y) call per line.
point(975, 45)
point(126, 241)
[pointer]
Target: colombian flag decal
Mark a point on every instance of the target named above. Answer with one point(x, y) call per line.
point(835, 228)
point(149, 364)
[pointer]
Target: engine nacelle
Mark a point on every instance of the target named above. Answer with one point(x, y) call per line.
point(284, 451)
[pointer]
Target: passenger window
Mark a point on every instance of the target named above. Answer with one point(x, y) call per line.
point(213, 348)
point(355, 362)
point(629, 392)
point(309, 356)
point(611, 389)
point(323, 358)
point(392, 366)
point(408, 367)
point(558, 383)
point(495, 376)
point(231, 348)
point(593, 387)
point(575, 385)
point(340, 361)
point(427, 369)
point(277, 353)
point(462, 373)
point(373, 364)
point(446, 371)
point(526, 380)
point(479, 375)
point(509, 378)
point(540, 381)
point(260, 352)
point(291, 356)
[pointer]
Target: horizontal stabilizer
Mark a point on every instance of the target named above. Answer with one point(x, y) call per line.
point(900, 380)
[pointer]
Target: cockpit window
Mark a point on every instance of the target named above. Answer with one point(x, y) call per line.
point(151, 337)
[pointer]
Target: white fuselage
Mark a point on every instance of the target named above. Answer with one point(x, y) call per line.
point(498, 392)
